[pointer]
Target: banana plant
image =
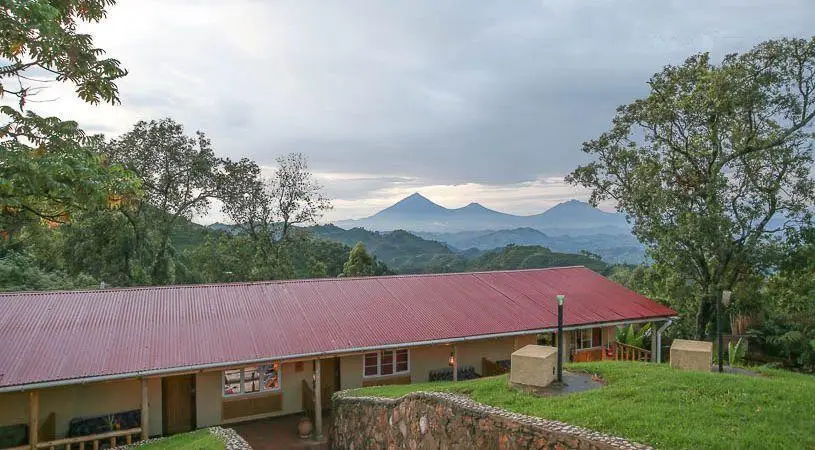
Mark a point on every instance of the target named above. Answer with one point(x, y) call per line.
point(630, 336)
point(736, 352)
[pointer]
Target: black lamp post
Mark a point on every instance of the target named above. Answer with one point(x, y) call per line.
point(725, 301)
point(560, 299)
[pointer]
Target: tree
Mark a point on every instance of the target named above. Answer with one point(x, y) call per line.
point(706, 161)
point(50, 168)
point(360, 263)
point(179, 176)
point(268, 208)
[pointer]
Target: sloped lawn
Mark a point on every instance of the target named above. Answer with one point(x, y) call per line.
point(666, 408)
point(195, 440)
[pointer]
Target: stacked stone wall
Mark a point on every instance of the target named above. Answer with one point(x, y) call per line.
point(433, 420)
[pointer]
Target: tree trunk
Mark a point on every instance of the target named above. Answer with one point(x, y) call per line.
point(704, 315)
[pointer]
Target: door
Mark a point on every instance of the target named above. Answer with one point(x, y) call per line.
point(178, 403)
point(328, 377)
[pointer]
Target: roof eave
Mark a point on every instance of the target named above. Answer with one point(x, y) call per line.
point(313, 355)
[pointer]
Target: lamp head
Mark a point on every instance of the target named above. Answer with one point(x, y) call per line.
point(560, 299)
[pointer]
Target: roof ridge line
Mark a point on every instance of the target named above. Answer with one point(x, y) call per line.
point(269, 282)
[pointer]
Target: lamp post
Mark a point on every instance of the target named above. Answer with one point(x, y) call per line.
point(725, 300)
point(560, 299)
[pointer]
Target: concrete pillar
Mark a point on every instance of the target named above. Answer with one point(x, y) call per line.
point(33, 418)
point(318, 406)
point(654, 343)
point(145, 410)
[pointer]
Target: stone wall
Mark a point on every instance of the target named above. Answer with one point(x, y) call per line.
point(433, 420)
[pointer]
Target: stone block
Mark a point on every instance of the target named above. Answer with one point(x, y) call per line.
point(533, 365)
point(691, 355)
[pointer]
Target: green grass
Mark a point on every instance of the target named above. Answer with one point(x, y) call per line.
point(196, 440)
point(666, 408)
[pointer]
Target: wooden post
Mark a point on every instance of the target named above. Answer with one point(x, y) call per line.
point(145, 410)
point(318, 406)
point(33, 418)
point(455, 362)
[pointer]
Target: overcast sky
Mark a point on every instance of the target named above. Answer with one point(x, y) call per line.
point(462, 101)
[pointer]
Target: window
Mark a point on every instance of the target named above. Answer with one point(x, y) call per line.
point(251, 380)
point(587, 338)
point(386, 362)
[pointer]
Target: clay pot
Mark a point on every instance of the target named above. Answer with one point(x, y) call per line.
point(304, 427)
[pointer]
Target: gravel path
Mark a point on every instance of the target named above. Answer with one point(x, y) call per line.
point(231, 439)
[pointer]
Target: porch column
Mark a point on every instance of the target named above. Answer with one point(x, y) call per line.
point(654, 342)
point(318, 406)
point(455, 362)
point(145, 411)
point(33, 418)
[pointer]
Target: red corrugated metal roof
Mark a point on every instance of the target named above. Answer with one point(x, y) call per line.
point(49, 336)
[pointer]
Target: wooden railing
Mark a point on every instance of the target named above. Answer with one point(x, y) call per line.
point(491, 368)
point(624, 352)
point(80, 442)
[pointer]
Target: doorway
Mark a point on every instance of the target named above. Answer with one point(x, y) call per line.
point(330, 376)
point(178, 403)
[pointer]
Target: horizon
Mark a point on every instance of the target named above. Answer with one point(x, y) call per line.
point(457, 101)
point(425, 197)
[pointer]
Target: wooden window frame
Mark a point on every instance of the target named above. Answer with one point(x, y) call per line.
point(578, 338)
point(379, 353)
point(263, 389)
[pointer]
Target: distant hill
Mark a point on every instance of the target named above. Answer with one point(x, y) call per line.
point(530, 257)
point(417, 213)
point(614, 248)
point(405, 252)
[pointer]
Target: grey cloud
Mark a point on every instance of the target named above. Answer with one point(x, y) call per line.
point(440, 92)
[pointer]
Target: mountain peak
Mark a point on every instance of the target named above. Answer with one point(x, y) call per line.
point(415, 203)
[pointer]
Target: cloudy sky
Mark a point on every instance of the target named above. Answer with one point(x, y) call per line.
point(462, 101)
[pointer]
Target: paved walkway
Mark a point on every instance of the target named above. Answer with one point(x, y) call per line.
point(279, 433)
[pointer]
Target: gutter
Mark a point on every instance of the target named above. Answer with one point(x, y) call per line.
point(313, 355)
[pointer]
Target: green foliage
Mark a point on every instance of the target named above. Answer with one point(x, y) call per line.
point(402, 251)
point(531, 257)
point(223, 257)
point(663, 407)
point(359, 263)
point(708, 158)
point(788, 339)
point(405, 252)
point(179, 176)
point(788, 298)
point(736, 352)
point(43, 34)
point(20, 272)
point(634, 337)
point(51, 168)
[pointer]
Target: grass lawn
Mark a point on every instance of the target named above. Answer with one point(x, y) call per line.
point(669, 409)
point(195, 440)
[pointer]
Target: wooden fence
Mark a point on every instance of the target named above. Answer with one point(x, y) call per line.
point(623, 352)
point(91, 441)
